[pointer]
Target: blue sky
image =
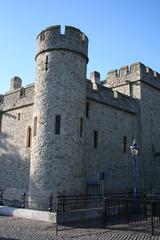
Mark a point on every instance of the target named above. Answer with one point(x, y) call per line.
point(120, 32)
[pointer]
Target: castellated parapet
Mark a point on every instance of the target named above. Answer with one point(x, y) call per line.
point(73, 40)
point(135, 72)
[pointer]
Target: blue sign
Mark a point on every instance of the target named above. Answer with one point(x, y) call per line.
point(92, 182)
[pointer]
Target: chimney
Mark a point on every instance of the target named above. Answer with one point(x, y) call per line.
point(95, 79)
point(16, 83)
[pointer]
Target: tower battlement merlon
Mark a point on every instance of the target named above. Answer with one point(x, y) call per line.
point(73, 39)
point(144, 72)
point(136, 71)
point(119, 72)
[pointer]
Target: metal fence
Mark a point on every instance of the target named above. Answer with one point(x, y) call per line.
point(116, 212)
point(79, 212)
point(135, 214)
point(24, 200)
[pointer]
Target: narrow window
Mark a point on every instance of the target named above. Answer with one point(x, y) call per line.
point(130, 89)
point(81, 127)
point(95, 139)
point(22, 92)
point(0, 122)
point(28, 142)
point(46, 63)
point(35, 127)
point(19, 116)
point(1, 98)
point(58, 125)
point(124, 144)
point(87, 109)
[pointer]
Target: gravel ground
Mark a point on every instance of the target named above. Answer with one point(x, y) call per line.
point(16, 228)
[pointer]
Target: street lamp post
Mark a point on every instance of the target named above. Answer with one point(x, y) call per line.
point(134, 151)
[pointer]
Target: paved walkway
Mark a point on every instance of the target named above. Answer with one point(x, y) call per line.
point(15, 229)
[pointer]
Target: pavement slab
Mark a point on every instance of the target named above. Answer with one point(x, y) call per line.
point(23, 229)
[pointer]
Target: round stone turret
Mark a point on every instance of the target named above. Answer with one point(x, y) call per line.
point(57, 154)
point(73, 39)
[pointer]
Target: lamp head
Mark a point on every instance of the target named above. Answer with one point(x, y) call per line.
point(134, 148)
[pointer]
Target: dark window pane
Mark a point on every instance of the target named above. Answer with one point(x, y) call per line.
point(0, 122)
point(87, 109)
point(124, 144)
point(58, 125)
point(19, 116)
point(81, 127)
point(95, 139)
point(46, 63)
point(22, 92)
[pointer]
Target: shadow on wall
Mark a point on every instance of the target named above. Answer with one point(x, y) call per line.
point(10, 115)
point(14, 169)
point(2, 238)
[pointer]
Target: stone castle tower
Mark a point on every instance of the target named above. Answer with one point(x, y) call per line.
point(57, 153)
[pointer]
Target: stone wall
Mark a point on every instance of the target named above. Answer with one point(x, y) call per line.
point(143, 84)
point(14, 155)
point(150, 130)
point(113, 122)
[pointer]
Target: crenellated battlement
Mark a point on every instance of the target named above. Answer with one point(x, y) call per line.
point(17, 98)
point(73, 39)
point(126, 74)
point(112, 98)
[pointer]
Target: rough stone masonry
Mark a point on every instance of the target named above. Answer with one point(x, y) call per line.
point(59, 134)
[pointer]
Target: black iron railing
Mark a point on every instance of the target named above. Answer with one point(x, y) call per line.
point(90, 211)
point(118, 212)
point(24, 200)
